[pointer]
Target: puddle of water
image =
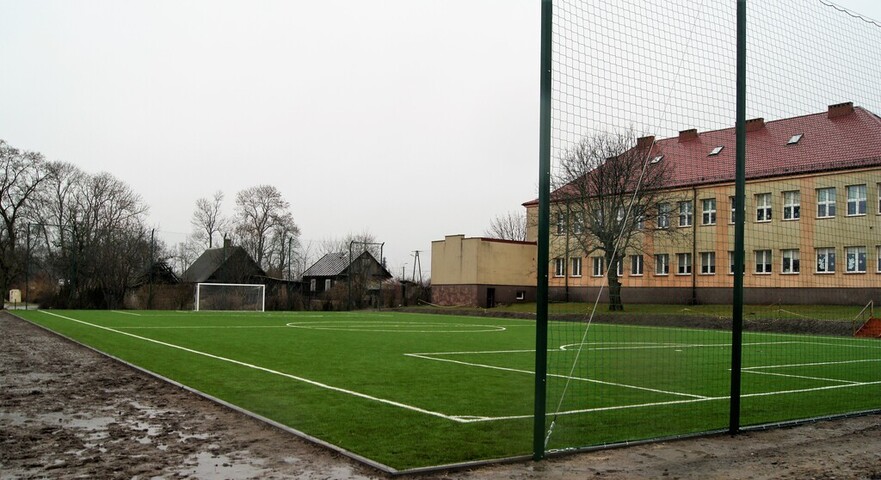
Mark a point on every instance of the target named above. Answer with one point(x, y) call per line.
point(208, 466)
point(91, 424)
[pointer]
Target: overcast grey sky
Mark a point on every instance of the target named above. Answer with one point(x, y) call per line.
point(410, 119)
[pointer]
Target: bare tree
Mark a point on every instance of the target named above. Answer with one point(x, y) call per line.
point(362, 241)
point(262, 222)
point(509, 226)
point(92, 237)
point(207, 219)
point(23, 173)
point(609, 186)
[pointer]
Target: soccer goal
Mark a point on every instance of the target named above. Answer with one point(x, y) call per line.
point(230, 296)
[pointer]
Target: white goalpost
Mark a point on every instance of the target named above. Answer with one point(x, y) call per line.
point(230, 296)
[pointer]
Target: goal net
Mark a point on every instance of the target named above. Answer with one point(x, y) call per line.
point(230, 296)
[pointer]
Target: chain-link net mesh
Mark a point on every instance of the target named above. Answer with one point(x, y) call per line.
point(642, 222)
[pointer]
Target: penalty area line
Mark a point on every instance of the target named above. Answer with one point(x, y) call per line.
point(268, 370)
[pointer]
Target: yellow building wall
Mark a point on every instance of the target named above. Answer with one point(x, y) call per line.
point(457, 260)
point(806, 234)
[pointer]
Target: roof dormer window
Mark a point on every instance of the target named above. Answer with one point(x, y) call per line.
point(795, 139)
point(716, 151)
point(656, 159)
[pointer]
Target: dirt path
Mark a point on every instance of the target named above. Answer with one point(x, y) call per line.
point(67, 412)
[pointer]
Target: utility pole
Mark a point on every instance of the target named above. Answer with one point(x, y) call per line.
point(415, 263)
point(150, 275)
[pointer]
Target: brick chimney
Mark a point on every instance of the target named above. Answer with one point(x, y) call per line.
point(645, 142)
point(755, 124)
point(686, 135)
point(840, 109)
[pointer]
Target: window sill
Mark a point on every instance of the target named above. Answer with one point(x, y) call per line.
point(763, 221)
point(762, 273)
point(855, 273)
point(708, 224)
point(640, 275)
point(662, 274)
point(824, 273)
point(710, 274)
point(683, 274)
point(856, 215)
point(789, 273)
point(791, 219)
point(825, 218)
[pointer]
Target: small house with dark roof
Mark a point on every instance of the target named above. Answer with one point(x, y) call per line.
point(227, 264)
point(364, 272)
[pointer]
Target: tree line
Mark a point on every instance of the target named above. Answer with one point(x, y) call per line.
point(77, 239)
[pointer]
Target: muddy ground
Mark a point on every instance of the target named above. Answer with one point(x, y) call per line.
point(68, 412)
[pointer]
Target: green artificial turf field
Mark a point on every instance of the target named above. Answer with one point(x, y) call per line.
point(413, 390)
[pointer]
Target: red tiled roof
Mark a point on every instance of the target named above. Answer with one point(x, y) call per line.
point(851, 140)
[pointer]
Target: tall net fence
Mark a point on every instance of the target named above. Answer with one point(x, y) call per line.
point(642, 218)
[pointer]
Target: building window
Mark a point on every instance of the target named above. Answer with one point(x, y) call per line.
point(578, 223)
point(709, 211)
point(856, 259)
point(636, 265)
point(685, 212)
point(826, 202)
point(791, 261)
point(576, 267)
point(763, 207)
point(878, 258)
point(879, 198)
point(521, 295)
point(731, 263)
point(312, 285)
point(825, 260)
point(663, 215)
point(561, 223)
point(559, 267)
point(640, 222)
point(599, 266)
point(683, 261)
point(620, 267)
point(791, 205)
point(327, 284)
point(708, 263)
point(662, 264)
point(856, 200)
point(763, 261)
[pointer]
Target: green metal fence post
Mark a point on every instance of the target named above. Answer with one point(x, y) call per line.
point(544, 189)
point(739, 220)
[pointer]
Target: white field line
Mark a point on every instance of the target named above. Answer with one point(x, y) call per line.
point(530, 372)
point(625, 346)
point(848, 345)
point(127, 313)
point(656, 346)
point(675, 402)
point(814, 364)
point(787, 375)
point(268, 370)
point(200, 326)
